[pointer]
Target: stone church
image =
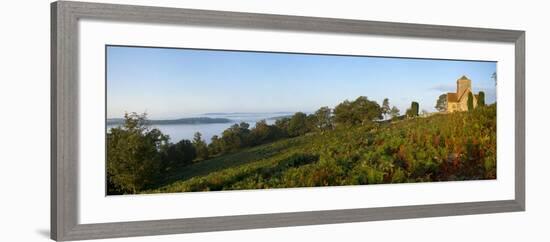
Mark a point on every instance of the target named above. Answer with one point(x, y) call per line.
point(458, 101)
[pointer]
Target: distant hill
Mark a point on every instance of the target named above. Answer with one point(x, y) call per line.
point(196, 120)
point(112, 121)
point(280, 117)
point(244, 113)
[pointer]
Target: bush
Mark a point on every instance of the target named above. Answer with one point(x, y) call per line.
point(181, 153)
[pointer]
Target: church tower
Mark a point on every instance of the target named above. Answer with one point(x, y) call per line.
point(463, 84)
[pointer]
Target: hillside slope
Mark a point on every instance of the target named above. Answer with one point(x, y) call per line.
point(459, 146)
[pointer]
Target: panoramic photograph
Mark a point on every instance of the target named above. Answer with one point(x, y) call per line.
point(193, 120)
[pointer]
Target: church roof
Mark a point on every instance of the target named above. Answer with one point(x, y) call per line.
point(465, 92)
point(452, 97)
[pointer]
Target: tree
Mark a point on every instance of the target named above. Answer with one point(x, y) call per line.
point(481, 99)
point(358, 112)
point(260, 133)
point(298, 124)
point(263, 133)
point(470, 101)
point(441, 104)
point(235, 137)
point(282, 125)
point(413, 111)
point(133, 155)
point(179, 154)
point(415, 108)
point(201, 147)
point(343, 113)
point(394, 112)
point(311, 122)
point(494, 77)
point(385, 107)
point(324, 118)
point(215, 146)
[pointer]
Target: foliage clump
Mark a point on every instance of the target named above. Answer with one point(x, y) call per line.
point(133, 155)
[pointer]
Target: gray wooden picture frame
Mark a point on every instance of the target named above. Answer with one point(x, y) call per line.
point(64, 118)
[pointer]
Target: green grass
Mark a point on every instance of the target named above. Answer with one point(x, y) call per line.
point(230, 160)
point(459, 146)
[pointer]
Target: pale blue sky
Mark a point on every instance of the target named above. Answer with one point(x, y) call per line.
point(172, 83)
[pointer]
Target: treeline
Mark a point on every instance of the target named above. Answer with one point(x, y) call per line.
point(239, 136)
point(137, 154)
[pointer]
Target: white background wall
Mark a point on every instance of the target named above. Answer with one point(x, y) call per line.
point(24, 105)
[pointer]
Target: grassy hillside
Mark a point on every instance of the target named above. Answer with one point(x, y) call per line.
point(459, 146)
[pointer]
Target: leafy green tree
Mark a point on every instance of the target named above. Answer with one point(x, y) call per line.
point(216, 146)
point(133, 154)
point(311, 122)
point(324, 118)
point(282, 125)
point(481, 99)
point(358, 112)
point(470, 101)
point(244, 133)
point(200, 146)
point(343, 113)
point(394, 112)
point(441, 104)
point(179, 154)
point(232, 140)
point(236, 137)
point(298, 124)
point(385, 107)
point(264, 133)
point(261, 133)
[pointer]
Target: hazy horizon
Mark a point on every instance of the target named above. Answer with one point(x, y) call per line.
point(215, 114)
point(171, 83)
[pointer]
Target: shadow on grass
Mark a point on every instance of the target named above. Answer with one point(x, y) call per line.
point(227, 161)
point(263, 173)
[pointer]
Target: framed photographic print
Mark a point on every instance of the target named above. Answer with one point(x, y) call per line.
point(169, 120)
